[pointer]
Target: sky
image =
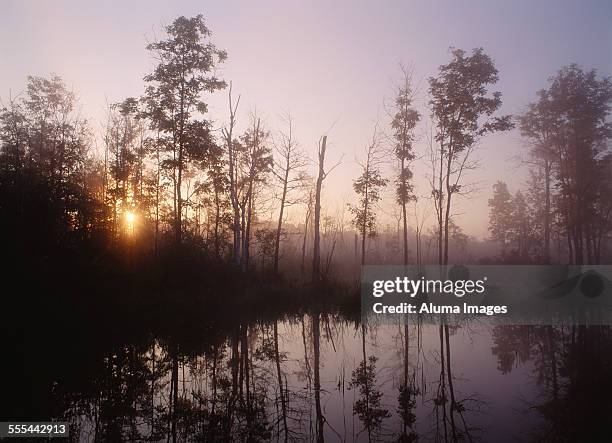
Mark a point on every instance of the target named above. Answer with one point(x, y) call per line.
point(332, 65)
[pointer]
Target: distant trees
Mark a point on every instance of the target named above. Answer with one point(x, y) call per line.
point(513, 224)
point(500, 214)
point(462, 109)
point(521, 222)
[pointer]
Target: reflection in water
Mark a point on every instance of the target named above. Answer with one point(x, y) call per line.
point(408, 392)
point(320, 377)
point(316, 344)
point(368, 406)
point(572, 367)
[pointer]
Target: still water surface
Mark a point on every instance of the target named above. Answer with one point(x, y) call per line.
point(321, 377)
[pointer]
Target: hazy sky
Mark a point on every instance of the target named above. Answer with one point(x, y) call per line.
point(328, 63)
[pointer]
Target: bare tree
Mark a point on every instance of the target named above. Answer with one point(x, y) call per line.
point(288, 166)
point(322, 175)
point(232, 172)
point(255, 164)
point(307, 217)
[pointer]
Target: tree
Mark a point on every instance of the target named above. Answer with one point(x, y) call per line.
point(13, 135)
point(124, 155)
point(58, 136)
point(254, 162)
point(173, 98)
point(309, 203)
point(369, 406)
point(540, 202)
point(569, 125)
point(266, 240)
point(511, 223)
point(403, 124)
point(500, 211)
point(48, 176)
point(521, 226)
point(316, 250)
point(220, 186)
point(601, 217)
point(230, 143)
point(463, 112)
point(288, 170)
point(367, 186)
point(537, 125)
point(459, 241)
point(322, 175)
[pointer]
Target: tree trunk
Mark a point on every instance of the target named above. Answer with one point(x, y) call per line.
point(174, 391)
point(405, 228)
point(217, 216)
point(440, 202)
point(157, 188)
point(547, 168)
point(450, 383)
point(308, 214)
point(316, 334)
point(247, 233)
point(316, 252)
point(365, 215)
point(280, 383)
point(280, 216)
point(449, 192)
point(406, 368)
point(228, 133)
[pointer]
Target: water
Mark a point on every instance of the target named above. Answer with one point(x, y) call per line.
point(302, 377)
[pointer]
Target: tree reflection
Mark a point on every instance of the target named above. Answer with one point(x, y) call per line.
point(269, 379)
point(572, 367)
point(408, 391)
point(316, 344)
point(450, 411)
point(368, 407)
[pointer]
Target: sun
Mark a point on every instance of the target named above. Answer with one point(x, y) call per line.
point(130, 217)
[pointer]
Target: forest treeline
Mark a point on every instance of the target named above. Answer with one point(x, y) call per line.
point(564, 214)
point(162, 179)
